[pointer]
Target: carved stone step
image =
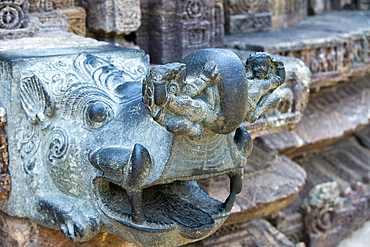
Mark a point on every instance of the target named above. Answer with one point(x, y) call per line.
point(254, 233)
point(335, 45)
point(330, 114)
point(334, 201)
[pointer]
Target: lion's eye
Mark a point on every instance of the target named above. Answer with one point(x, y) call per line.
point(98, 114)
point(173, 88)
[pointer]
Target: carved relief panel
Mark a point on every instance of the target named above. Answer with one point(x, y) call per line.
point(195, 25)
point(325, 62)
point(243, 16)
point(355, 51)
point(13, 14)
point(189, 25)
point(329, 213)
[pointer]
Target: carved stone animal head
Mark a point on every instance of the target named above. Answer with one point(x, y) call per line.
point(91, 158)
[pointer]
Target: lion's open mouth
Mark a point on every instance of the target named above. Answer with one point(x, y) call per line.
point(181, 204)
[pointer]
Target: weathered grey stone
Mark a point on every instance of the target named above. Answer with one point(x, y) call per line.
point(15, 21)
point(16, 231)
point(80, 157)
point(55, 39)
point(330, 215)
point(12, 14)
point(245, 16)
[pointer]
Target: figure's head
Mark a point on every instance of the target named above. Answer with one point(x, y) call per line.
point(260, 67)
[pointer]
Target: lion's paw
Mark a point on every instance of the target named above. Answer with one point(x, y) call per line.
point(79, 225)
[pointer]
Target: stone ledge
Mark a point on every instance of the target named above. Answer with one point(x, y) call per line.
point(335, 45)
point(330, 114)
point(347, 163)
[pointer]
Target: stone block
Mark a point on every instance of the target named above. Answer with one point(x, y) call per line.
point(334, 201)
point(287, 13)
point(247, 16)
point(171, 29)
point(16, 231)
point(76, 20)
point(79, 164)
point(111, 17)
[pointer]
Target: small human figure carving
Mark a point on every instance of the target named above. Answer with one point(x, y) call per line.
point(264, 75)
point(332, 59)
point(182, 106)
point(323, 60)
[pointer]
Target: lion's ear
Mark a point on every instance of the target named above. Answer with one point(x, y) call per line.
point(36, 102)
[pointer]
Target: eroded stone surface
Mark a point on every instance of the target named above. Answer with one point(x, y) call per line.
point(60, 40)
point(29, 18)
point(15, 21)
point(287, 13)
point(245, 16)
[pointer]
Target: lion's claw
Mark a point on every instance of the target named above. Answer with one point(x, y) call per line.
point(78, 226)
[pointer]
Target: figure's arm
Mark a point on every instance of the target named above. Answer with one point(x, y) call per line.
point(196, 86)
point(194, 110)
point(280, 70)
